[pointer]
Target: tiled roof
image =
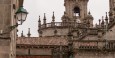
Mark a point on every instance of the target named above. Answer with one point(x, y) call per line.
point(41, 40)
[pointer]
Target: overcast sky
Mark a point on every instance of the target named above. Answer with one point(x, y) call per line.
point(39, 7)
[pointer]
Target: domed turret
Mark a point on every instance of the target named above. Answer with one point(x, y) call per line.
point(65, 17)
point(89, 19)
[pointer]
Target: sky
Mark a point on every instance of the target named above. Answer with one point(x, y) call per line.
point(37, 8)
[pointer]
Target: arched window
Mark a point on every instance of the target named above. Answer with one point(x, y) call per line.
point(76, 11)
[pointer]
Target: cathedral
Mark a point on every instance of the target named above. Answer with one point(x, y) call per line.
point(74, 37)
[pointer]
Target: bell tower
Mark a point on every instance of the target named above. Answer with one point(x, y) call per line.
point(76, 9)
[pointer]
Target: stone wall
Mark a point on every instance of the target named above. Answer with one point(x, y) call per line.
point(110, 34)
point(7, 19)
point(50, 31)
point(33, 51)
point(34, 56)
point(94, 54)
point(4, 48)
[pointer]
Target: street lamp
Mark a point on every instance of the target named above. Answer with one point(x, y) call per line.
point(21, 15)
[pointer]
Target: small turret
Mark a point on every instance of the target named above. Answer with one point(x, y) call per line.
point(89, 19)
point(65, 18)
point(29, 34)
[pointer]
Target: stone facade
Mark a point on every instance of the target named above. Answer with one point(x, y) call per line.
point(74, 37)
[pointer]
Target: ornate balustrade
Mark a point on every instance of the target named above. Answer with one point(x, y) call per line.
point(63, 24)
point(87, 45)
point(96, 45)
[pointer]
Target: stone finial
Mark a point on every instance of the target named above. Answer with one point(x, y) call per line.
point(39, 20)
point(102, 23)
point(39, 23)
point(29, 34)
point(53, 17)
point(106, 18)
point(44, 16)
point(102, 19)
point(44, 20)
point(89, 13)
point(22, 35)
point(99, 21)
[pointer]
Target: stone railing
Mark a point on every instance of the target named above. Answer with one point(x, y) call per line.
point(63, 24)
point(96, 45)
point(87, 45)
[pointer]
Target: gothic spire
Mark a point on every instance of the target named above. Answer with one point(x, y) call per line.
point(29, 34)
point(53, 17)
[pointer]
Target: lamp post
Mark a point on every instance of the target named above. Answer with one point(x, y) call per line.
point(21, 15)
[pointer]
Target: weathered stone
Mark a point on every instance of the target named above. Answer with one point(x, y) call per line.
point(40, 52)
point(22, 51)
point(1, 1)
point(4, 55)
